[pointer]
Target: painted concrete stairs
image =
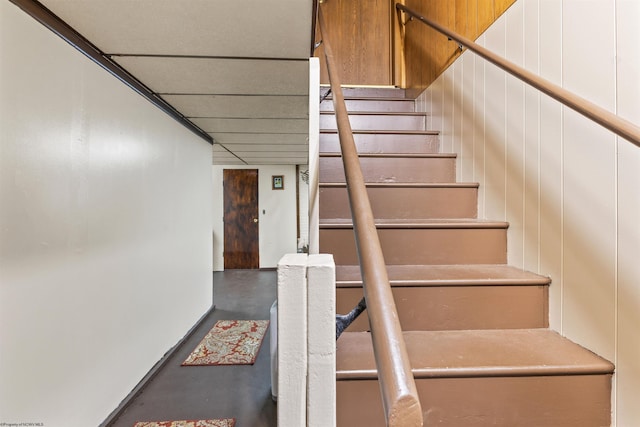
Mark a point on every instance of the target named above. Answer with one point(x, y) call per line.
point(476, 328)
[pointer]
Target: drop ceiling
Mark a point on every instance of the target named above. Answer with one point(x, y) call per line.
point(237, 69)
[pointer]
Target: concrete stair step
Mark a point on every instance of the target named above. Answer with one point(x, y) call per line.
point(406, 168)
point(415, 242)
point(384, 104)
point(523, 377)
point(454, 297)
point(368, 141)
point(363, 120)
point(404, 200)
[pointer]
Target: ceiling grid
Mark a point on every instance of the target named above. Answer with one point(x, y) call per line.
point(238, 70)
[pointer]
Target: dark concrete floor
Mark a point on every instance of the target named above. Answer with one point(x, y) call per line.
point(204, 392)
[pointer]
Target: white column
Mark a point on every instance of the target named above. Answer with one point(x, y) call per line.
point(292, 340)
point(321, 335)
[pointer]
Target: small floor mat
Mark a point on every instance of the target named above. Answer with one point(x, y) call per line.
point(229, 342)
point(227, 422)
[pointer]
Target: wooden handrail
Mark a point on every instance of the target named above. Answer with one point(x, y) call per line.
point(605, 118)
point(399, 395)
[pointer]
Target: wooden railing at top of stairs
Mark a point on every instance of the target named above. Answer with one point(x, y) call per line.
point(399, 394)
point(607, 119)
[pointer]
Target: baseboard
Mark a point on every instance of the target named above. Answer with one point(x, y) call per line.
point(153, 372)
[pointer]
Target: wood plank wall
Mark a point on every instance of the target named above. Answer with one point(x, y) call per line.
point(427, 52)
point(360, 36)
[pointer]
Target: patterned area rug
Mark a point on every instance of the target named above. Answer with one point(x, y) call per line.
point(228, 422)
point(229, 342)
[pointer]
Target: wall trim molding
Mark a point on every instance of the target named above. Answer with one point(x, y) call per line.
point(139, 388)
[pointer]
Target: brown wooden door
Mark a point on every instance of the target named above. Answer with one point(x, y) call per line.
point(241, 238)
point(360, 35)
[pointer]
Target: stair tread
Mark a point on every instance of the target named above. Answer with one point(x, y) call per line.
point(396, 155)
point(477, 353)
point(417, 223)
point(378, 113)
point(368, 91)
point(445, 275)
point(406, 184)
point(387, 132)
point(372, 98)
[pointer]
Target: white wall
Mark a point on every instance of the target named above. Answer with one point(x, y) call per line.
point(570, 189)
point(303, 207)
point(314, 155)
point(277, 208)
point(105, 231)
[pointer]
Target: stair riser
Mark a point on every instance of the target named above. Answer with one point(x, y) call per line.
point(387, 106)
point(376, 122)
point(440, 308)
point(423, 246)
point(542, 401)
point(404, 203)
point(393, 169)
point(383, 143)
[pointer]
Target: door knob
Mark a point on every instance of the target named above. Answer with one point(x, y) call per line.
point(255, 219)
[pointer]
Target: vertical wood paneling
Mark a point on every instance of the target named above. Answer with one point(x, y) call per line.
point(628, 295)
point(501, 5)
point(532, 140)
point(472, 19)
point(551, 159)
point(436, 103)
point(628, 273)
point(460, 14)
point(446, 137)
point(589, 237)
point(423, 107)
point(360, 36)
point(429, 53)
point(466, 169)
point(445, 49)
point(589, 234)
point(495, 133)
point(486, 14)
point(580, 189)
point(514, 41)
point(458, 112)
point(479, 134)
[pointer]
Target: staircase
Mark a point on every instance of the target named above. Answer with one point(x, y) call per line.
point(476, 329)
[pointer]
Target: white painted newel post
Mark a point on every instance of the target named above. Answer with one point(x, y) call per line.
point(306, 368)
point(292, 340)
point(321, 338)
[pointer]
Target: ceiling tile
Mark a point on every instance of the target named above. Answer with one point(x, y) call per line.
point(220, 76)
point(245, 28)
point(220, 106)
point(272, 148)
point(237, 69)
point(253, 125)
point(259, 138)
